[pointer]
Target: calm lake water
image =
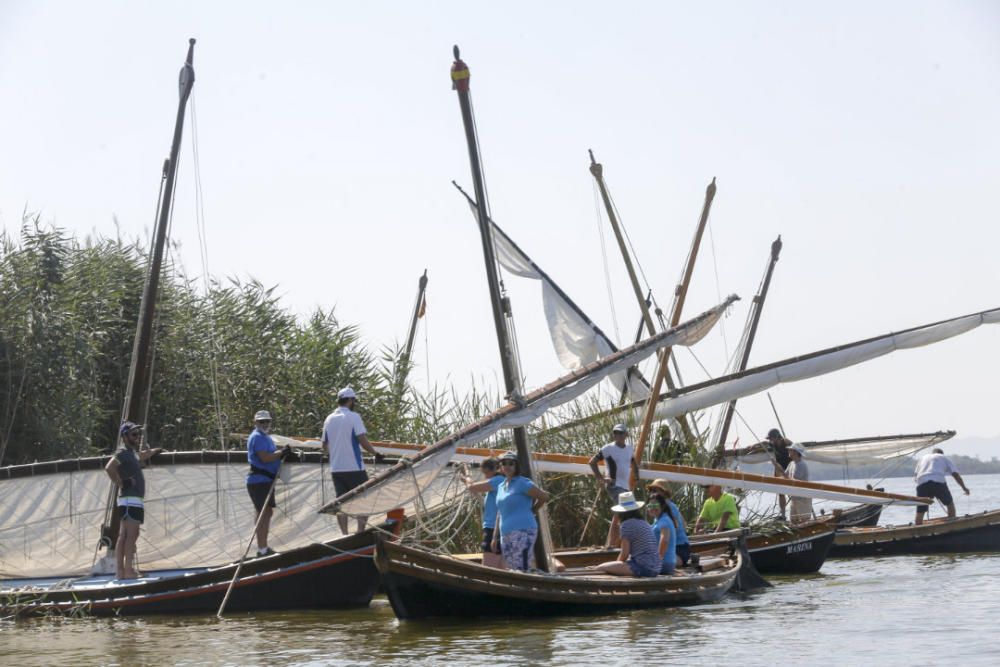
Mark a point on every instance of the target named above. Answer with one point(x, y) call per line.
point(880, 611)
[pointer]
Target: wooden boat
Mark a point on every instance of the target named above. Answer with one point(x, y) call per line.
point(336, 574)
point(858, 516)
point(969, 533)
point(421, 584)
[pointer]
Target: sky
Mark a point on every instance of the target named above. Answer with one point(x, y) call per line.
point(865, 134)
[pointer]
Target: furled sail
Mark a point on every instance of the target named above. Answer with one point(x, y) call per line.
point(850, 452)
point(577, 340)
point(404, 483)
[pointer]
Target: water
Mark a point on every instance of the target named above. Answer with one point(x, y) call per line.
point(885, 611)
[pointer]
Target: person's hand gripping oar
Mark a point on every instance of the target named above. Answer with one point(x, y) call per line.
point(285, 453)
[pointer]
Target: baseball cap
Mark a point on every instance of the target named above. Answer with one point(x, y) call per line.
point(346, 392)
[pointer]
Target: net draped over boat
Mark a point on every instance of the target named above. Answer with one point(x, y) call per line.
point(196, 515)
point(405, 482)
point(856, 451)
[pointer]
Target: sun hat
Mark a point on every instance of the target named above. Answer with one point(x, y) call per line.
point(262, 416)
point(508, 456)
point(127, 427)
point(798, 448)
point(661, 484)
point(346, 392)
point(627, 502)
point(619, 428)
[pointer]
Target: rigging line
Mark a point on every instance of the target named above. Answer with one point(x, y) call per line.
point(604, 257)
point(635, 255)
point(486, 193)
point(203, 248)
point(718, 288)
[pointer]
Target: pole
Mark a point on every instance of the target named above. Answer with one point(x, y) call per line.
point(460, 83)
point(421, 288)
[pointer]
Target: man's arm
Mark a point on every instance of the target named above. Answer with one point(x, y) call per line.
point(363, 439)
point(147, 454)
point(958, 478)
point(723, 522)
point(112, 469)
point(597, 471)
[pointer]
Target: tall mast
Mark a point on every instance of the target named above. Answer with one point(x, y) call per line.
point(597, 169)
point(680, 295)
point(756, 307)
point(142, 349)
point(417, 312)
point(460, 83)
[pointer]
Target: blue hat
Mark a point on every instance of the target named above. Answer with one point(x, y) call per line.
point(127, 427)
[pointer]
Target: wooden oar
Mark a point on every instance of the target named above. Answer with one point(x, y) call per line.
point(239, 566)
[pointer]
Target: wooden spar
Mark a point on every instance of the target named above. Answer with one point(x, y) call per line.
point(417, 312)
point(756, 307)
point(136, 392)
point(680, 296)
point(597, 169)
point(512, 382)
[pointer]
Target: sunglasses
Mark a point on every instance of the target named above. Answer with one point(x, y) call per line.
point(508, 463)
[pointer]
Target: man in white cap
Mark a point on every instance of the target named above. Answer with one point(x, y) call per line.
point(265, 461)
point(344, 434)
point(802, 509)
point(620, 464)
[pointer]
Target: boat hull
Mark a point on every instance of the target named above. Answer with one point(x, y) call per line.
point(859, 516)
point(968, 534)
point(420, 585)
point(332, 575)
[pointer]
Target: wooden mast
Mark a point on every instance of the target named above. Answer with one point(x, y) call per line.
point(597, 170)
point(680, 295)
point(756, 307)
point(142, 350)
point(460, 83)
point(417, 312)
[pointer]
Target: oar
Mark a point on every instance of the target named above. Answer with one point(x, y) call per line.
point(239, 566)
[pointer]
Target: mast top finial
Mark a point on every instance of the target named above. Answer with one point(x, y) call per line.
point(191, 41)
point(454, 51)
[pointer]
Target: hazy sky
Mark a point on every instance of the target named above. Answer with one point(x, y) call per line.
point(864, 133)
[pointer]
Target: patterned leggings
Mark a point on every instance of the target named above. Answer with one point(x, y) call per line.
point(518, 547)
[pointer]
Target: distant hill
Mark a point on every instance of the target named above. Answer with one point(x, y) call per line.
point(967, 465)
point(979, 447)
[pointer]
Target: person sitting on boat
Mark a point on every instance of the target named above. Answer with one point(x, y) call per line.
point(518, 498)
point(778, 445)
point(639, 556)
point(802, 508)
point(265, 460)
point(931, 479)
point(344, 434)
point(662, 488)
point(125, 470)
point(493, 480)
point(718, 513)
point(620, 464)
point(664, 532)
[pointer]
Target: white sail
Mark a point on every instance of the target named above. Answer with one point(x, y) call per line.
point(851, 452)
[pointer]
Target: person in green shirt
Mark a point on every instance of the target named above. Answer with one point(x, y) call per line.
point(718, 513)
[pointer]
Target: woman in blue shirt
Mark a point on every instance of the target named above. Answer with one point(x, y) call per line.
point(517, 500)
point(661, 487)
point(493, 479)
point(663, 532)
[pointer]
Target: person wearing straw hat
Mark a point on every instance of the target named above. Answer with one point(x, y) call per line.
point(801, 508)
point(660, 487)
point(264, 458)
point(639, 556)
point(125, 470)
point(620, 464)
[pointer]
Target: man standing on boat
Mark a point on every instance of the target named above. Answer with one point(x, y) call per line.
point(931, 476)
point(802, 509)
point(778, 446)
point(265, 461)
point(125, 470)
point(718, 513)
point(344, 434)
point(620, 464)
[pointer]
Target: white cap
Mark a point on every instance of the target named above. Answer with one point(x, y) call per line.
point(619, 428)
point(798, 448)
point(346, 392)
point(262, 416)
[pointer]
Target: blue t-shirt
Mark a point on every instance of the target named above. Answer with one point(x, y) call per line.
point(681, 529)
point(260, 442)
point(490, 508)
point(514, 504)
point(664, 522)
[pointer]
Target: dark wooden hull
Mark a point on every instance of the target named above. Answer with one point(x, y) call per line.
point(420, 584)
point(967, 534)
point(336, 574)
point(859, 516)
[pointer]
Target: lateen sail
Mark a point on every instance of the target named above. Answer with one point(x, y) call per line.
point(405, 482)
point(853, 451)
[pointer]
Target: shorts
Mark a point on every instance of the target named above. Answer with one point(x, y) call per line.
point(614, 492)
point(487, 540)
point(130, 513)
point(258, 494)
point(639, 570)
point(683, 552)
point(937, 490)
point(518, 548)
point(347, 480)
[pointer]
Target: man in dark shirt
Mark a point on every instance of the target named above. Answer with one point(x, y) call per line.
point(125, 470)
point(778, 446)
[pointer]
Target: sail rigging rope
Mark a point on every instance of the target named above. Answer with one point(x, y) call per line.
point(604, 259)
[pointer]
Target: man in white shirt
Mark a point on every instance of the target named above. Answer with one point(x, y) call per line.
point(620, 464)
point(802, 509)
point(931, 475)
point(344, 435)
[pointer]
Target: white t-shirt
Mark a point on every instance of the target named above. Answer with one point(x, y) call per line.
point(622, 456)
point(934, 468)
point(340, 434)
point(799, 471)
